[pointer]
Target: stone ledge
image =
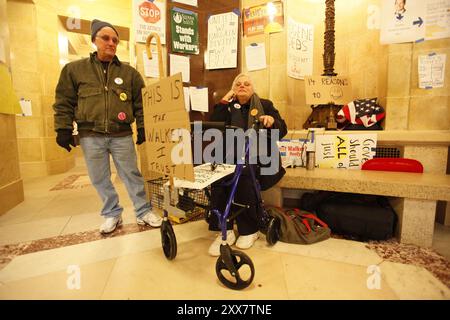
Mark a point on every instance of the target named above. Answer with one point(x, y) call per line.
point(424, 186)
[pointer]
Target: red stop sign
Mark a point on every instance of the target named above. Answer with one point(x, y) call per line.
point(149, 12)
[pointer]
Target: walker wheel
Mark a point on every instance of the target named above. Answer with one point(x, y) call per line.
point(273, 231)
point(243, 277)
point(168, 240)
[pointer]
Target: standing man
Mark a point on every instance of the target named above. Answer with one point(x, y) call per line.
point(103, 96)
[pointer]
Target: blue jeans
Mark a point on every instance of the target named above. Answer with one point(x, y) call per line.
point(96, 153)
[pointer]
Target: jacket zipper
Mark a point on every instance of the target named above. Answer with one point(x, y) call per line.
point(107, 98)
point(101, 72)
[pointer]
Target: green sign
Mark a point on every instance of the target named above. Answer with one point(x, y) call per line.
point(184, 25)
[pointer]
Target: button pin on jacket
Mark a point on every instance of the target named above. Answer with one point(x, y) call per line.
point(122, 116)
point(118, 81)
point(237, 106)
point(254, 112)
point(123, 96)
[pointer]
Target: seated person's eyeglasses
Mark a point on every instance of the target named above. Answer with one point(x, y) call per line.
point(106, 38)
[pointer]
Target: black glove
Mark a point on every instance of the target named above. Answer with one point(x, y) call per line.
point(140, 136)
point(64, 139)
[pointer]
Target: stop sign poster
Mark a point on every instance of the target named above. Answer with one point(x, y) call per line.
point(184, 31)
point(149, 16)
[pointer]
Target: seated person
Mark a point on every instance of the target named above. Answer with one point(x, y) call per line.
point(234, 109)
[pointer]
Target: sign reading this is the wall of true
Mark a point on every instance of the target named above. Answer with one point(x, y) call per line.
point(348, 151)
point(324, 90)
point(168, 146)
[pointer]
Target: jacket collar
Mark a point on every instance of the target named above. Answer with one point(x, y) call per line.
point(93, 57)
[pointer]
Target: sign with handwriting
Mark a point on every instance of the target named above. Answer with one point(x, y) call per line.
point(348, 151)
point(223, 34)
point(324, 90)
point(168, 147)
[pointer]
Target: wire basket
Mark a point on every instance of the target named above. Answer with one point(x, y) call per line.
point(193, 202)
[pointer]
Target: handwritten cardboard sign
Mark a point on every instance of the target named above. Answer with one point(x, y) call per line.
point(168, 147)
point(347, 151)
point(324, 90)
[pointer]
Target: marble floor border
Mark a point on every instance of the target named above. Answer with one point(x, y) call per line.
point(389, 250)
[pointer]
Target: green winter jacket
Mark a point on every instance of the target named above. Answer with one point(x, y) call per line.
point(83, 96)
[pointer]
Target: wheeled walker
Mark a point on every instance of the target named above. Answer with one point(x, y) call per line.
point(232, 266)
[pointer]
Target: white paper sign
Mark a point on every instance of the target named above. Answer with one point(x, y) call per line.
point(151, 68)
point(204, 176)
point(187, 99)
point(293, 153)
point(199, 99)
point(431, 70)
point(347, 151)
point(180, 64)
point(148, 17)
point(188, 2)
point(300, 49)
point(26, 108)
point(402, 23)
point(438, 19)
point(255, 56)
point(222, 41)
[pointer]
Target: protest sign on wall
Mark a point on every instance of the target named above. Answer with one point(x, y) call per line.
point(265, 18)
point(184, 31)
point(222, 41)
point(300, 49)
point(148, 17)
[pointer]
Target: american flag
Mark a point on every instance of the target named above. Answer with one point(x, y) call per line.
point(363, 111)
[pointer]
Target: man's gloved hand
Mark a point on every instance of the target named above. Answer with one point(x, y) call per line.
point(64, 139)
point(140, 136)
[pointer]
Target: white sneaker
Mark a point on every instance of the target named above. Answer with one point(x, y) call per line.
point(245, 242)
point(151, 219)
point(214, 248)
point(111, 224)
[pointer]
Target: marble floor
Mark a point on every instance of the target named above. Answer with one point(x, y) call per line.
point(50, 249)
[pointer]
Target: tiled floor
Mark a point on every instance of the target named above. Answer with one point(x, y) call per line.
point(132, 266)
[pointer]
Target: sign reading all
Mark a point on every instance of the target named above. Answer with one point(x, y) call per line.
point(348, 151)
point(324, 90)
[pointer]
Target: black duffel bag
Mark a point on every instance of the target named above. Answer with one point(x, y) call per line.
point(356, 216)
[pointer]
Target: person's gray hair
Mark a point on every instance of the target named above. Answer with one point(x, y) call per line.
point(240, 75)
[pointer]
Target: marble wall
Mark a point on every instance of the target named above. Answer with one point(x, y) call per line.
point(35, 69)
point(11, 186)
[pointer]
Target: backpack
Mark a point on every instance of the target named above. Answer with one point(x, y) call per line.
point(301, 227)
point(355, 216)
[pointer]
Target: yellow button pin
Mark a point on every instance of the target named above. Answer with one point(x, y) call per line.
point(123, 96)
point(254, 112)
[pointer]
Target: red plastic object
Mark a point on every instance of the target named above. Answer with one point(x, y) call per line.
point(393, 164)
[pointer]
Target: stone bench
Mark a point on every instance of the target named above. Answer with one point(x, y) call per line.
point(416, 194)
